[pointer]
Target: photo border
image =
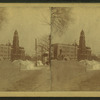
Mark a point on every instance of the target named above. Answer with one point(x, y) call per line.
point(51, 93)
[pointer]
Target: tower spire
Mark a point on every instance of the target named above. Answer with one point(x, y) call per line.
point(82, 45)
point(15, 40)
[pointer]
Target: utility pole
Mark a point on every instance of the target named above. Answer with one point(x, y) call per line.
point(42, 54)
point(50, 38)
point(36, 50)
point(50, 50)
point(75, 50)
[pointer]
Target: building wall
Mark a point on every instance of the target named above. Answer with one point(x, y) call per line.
point(65, 50)
point(22, 53)
point(86, 54)
point(5, 51)
point(19, 54)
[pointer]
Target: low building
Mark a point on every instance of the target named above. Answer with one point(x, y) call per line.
point(64, 51)
point(5, 52)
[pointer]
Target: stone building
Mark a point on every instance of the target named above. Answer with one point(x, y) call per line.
point(84, 52)
point(64, 51)
point(5, 51)
point(17, 52)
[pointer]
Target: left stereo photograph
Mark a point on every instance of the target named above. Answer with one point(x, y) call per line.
point(25, 49)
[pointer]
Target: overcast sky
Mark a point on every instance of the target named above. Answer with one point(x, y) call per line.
point(87, 19)
point(29, 22)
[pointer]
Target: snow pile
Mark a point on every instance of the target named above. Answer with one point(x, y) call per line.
point(27, 65)
point(91, 65)
point(39, 63)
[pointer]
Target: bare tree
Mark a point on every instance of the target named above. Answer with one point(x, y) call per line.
point(43, 44)
point(60, 18)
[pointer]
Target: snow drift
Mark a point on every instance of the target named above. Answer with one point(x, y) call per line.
point(91, 65)
point(27, 65)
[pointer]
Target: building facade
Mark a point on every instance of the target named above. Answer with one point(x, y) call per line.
point(17, 52)
point(64, 51)
point(5, 52)
point(84, 52)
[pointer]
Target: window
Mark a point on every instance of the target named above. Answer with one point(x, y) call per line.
point(60, 51)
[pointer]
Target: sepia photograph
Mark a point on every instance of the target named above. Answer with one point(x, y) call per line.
point(76, 53)
point(49, 48)
point(24, 49)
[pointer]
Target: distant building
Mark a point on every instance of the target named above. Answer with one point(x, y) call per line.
point(83, 51)
point(5, 52)
point(64, 51)
point(17, 52)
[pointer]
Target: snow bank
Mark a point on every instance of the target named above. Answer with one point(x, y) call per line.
point(39, 63)
point(27, 65)
point(91, 65)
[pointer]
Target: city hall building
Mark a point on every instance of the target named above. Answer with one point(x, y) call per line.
point(17, 52)
point(84, 52)
point(68, 51)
